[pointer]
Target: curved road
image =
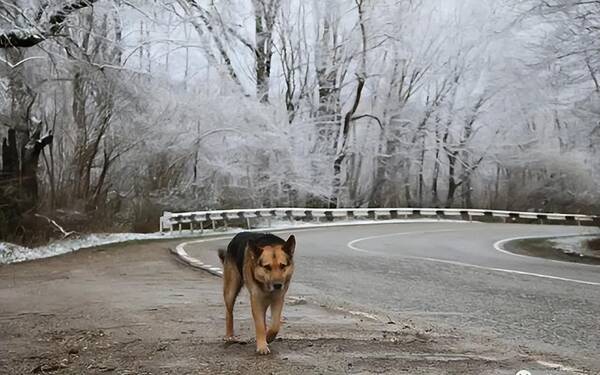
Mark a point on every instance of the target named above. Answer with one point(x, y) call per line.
point(451, 274)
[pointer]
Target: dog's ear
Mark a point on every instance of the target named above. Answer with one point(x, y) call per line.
point(290, 246)
point(254, 249)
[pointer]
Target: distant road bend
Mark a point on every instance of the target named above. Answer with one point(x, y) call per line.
point(454, 274)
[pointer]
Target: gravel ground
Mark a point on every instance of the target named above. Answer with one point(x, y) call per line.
point(133, 309)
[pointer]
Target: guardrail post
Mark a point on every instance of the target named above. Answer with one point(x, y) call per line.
point(166, 218)
point(246, 216)
point(439, 214)
point(289, 215)
point(271, 214)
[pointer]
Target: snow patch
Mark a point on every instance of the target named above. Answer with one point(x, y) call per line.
point(573, 245)
point(10, 253)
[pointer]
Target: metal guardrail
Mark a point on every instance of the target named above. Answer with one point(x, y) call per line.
point(196, 220)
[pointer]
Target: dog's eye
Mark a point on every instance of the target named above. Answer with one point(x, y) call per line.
point(267, 267)
point(282, 266)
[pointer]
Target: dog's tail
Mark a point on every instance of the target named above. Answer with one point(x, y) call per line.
point(222, 255)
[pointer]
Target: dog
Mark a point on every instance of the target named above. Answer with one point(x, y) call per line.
point(264, 263)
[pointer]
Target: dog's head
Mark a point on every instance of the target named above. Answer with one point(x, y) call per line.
point(273, 260)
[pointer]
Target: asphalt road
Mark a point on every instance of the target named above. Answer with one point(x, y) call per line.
point(451, 274)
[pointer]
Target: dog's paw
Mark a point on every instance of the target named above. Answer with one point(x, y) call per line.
point(230, 339)
point(271, 335)
point(263, 349)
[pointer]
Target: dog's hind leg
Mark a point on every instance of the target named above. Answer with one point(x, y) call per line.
point(232, 284)
point(276, 308)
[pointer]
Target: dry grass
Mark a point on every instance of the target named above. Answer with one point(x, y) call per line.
point(594, 244)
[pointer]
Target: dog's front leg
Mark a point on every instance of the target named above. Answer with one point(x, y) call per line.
point(276, 308)
point(259, 310)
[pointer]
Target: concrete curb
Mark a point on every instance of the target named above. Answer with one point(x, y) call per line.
point(182, 255)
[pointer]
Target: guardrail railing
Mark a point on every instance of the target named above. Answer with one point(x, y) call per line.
point(197, 220)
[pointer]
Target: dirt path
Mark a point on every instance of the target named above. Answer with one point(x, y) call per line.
point(133, 309)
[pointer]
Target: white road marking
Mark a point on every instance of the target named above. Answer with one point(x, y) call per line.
point(507, 271)
point(360, 250)
point(361, 314)
point(352, 246)
point(558, 366)
point(180, 249)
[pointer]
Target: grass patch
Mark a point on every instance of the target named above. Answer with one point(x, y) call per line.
point(545, 248)
point(594, 244)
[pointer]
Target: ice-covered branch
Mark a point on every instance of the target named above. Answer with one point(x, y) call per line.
point(35, 34)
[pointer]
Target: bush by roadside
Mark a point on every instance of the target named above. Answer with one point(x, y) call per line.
point(594, 244)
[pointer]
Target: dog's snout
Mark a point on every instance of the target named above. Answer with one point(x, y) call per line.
point(277, 286)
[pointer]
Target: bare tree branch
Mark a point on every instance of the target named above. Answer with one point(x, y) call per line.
point(55, 224)
point(34, 35)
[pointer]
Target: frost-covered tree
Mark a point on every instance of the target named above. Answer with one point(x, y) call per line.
point(131, 107)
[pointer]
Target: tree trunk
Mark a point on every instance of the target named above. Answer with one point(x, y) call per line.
point(80, 179)
point(468, 192)
point(495, 204)
point(265, 14)
point(341, 155)
point(29, 166)
point(436, 173)
point(381, 161)
point(452, 185)
point(329, 108)
point(421, 181)
point(18, 178)
point(406, 184)
point(10, 156)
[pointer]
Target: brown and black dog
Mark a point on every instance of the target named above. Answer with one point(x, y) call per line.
point(265, 264)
